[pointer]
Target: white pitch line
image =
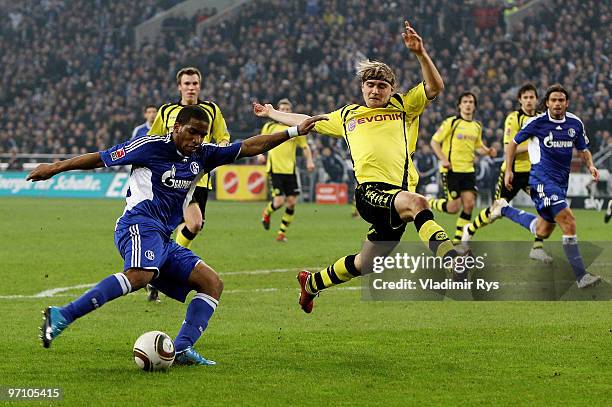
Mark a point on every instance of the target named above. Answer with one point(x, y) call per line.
point(56, 292)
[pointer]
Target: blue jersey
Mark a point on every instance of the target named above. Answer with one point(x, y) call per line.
point(551, 146)
point(162, 180)
point(141, 130)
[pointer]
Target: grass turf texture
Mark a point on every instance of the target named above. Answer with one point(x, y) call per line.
point(346, 352)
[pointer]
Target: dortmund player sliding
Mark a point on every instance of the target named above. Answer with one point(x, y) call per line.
point(382, 137)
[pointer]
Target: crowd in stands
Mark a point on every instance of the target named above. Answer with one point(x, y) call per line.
point(72, 80)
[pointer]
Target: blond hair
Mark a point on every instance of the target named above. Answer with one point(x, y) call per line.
point(368, 70)
point(190, 70)
point(285, 101)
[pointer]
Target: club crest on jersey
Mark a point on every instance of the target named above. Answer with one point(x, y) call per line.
point(169, 180)
point(571, 132)
point(194, 167)
point(351, 125)
point(150, 255)
point(117, 154)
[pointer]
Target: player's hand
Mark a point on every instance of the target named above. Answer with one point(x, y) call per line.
point(261, 159)
point(445, 163)
point(594, 173)
point(310, 166)
point(308, 124)
point(262, 110)
point(508, 178)
point(492, 152)
point(412, 40)
point(41, 173)
point(224, 143)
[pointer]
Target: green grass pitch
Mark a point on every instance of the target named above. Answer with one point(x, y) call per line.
point(269, 352)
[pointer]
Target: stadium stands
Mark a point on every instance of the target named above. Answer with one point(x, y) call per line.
point(72, 81)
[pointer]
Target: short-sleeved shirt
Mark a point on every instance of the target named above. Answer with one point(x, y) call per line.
point(382, 140)
point(217, 130)
point(162, 180)
point(513, 123)
point(551, 145)
point(282, 158)
point(459, 139)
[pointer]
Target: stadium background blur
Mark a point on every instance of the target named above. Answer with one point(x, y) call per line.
point(73, 81)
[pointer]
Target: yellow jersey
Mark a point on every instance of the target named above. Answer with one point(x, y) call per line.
point(382, 140)
point(459, 138)
point(514, 122)
point(217, 130)
point(282, 158)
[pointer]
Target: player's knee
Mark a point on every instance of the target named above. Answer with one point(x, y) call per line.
point(138, 278)
point(291, 201)
point(453, 206)
point(279, 201)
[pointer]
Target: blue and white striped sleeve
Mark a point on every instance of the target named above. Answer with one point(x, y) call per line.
point(136, 151)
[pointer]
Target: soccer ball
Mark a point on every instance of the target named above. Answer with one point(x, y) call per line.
point(154, 351)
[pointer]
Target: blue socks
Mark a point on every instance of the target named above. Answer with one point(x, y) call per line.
point(199, 312)
point(570, 247)
point(525, 219)
point(106, 290)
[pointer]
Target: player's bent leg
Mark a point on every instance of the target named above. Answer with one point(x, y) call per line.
point(468, 199)
point(276, 203)
point(412, 206)
point(56, 319)
point(567, 223)
point(209, 287)
point(287, 218)
point(193, 225)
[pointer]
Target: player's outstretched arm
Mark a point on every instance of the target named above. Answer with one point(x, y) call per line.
point(587, 159)
point(267, 110)
point(433, 80)
point(87, 161)
point(510, 152)
point(264, 142)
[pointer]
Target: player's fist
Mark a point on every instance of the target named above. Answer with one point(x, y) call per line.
point(308, 124)
point(445, 163)
point(261, 159)
point(262, 110)
point(310, 166)
point(41, 173)
point(508, 177)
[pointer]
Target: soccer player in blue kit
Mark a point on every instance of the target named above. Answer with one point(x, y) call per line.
point(164, 173)
point(553, 136)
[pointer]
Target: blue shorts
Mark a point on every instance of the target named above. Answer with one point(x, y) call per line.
point(144, 247)
point(549, 200)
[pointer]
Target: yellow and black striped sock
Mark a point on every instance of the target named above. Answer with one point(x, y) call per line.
point(433, 235)
point(270, 208)
point(462, 220)
point(481, 221)
point(286, 220)
point(438, 204)
point(184, 237)
point(538, 243)
point(340, 272)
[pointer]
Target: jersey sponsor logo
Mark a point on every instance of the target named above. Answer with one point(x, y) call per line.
point(352, 124)
point(550, 142)
point(230, 182)
point(150, 255)
point(117, 154)
point(255, 182)
point(571, 132)
point(194, 167)
point(169, 180)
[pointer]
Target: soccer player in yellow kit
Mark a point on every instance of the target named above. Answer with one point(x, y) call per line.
point(281, 164)
point(528, 99)
point(455, 144)
point(189, 81)
point(381, 137)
